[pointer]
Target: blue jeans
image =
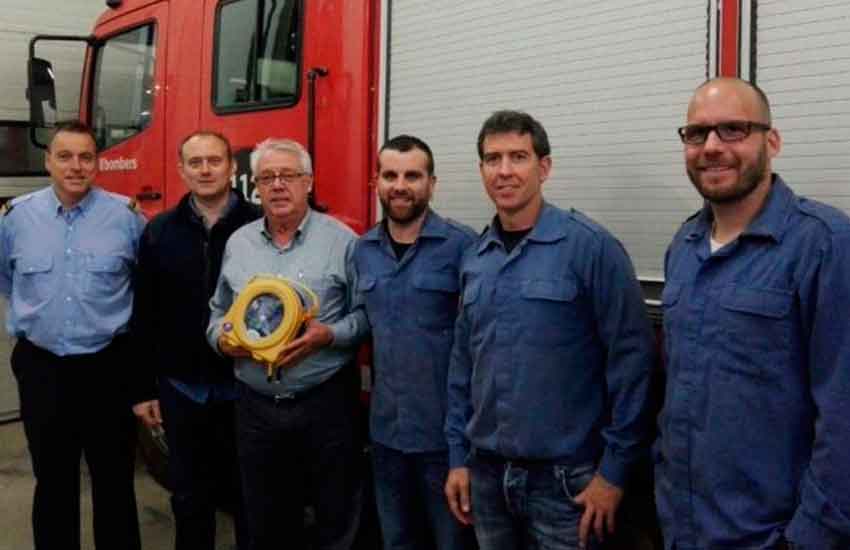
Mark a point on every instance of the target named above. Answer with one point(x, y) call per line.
point(412, 504)
point(526, 505)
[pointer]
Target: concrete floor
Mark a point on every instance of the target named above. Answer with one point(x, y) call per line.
point(16, 486)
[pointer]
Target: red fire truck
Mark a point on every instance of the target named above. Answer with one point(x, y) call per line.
point(609, 80)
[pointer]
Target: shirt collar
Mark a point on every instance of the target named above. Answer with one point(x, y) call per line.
point(82, 207)
point(232, 199)
point(434, 227)
point(547, 229)
point(769, 222)
point(300, 232)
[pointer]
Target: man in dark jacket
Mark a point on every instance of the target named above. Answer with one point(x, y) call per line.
point(179, 374)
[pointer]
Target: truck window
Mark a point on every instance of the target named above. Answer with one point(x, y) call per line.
point(256, 54)
point(123, 86)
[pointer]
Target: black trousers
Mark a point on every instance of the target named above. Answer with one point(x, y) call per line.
point(76, 406)
point(299, 452)
point(203, 467)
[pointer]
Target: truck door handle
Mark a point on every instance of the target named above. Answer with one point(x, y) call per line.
point(148, 196)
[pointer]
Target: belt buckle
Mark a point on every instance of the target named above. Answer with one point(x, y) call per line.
point(281, 397)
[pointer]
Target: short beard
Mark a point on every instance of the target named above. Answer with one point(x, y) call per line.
point(746, 184)
point(417, 208)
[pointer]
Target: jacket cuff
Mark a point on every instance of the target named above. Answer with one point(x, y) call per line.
point(458, 456)
point(613, 469)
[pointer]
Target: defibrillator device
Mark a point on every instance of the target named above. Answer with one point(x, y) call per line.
point(267, 315)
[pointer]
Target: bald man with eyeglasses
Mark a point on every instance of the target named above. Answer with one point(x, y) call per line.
point(755, 436)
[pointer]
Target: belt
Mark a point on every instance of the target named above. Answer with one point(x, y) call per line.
point(292, 397)
point(528, 463)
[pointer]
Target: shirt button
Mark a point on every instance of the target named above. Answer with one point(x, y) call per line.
point(67, 298)
point(67, 251)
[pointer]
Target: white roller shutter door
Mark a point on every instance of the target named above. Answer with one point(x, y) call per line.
point(610, 81)
point(803, 64)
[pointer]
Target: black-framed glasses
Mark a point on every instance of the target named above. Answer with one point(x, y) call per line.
point(728, 132)
point(287, 178)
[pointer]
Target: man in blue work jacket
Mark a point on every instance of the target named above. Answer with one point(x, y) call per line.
point(408, 280)
point(755, 432)
point(550, 367)
point(67, 255)
point(181, 382)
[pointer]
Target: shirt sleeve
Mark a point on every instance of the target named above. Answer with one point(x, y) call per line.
point(459, 405)
point(822, 519)
point(142, 324)
point(353, 326)
point(220, 302)
point(626, 334)
point(5, 260)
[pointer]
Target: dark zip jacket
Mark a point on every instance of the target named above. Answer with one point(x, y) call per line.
point(178, 267)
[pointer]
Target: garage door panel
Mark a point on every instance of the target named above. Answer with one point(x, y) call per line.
point(803, 64)
point(610, 81)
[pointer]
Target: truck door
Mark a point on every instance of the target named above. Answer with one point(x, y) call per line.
point(126, 104)
point(300, 70)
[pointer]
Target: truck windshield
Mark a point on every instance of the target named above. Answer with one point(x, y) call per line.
point(122, 104)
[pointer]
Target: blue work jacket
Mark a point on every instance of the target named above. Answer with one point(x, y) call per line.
point(411, 305)
point(553, 349)
point(755, 430)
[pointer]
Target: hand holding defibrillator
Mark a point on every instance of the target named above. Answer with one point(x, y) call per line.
point(273, 322)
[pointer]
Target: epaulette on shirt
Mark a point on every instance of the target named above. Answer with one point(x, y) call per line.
point(836, 220)
point(460, 226)
point(586, 222)
point(10, 204)
point(132, 204)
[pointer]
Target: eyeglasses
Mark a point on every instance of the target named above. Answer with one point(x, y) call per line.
point(287, 178)
point(728, 132)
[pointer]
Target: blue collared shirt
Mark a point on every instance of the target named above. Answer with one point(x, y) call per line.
point(411, 305)
point(755, 431)
point(68, 273)
point(318, 256)
point(553, 349)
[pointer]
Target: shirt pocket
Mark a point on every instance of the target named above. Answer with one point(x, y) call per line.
point(35, 284)
point(547, 307)
point(435, 299)
point(106, 275)
point(756, 328)
point(331, 296)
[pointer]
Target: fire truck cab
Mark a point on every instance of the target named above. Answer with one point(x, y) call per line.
point(157, 70)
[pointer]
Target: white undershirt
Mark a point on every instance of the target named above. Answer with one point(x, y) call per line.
point(716, 245)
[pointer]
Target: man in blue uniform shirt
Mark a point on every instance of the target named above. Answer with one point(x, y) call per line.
point(549, 372)
point(67, 255)
point(408, 280)
point(755, 432)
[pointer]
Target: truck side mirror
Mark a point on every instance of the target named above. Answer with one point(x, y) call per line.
point(41, 92)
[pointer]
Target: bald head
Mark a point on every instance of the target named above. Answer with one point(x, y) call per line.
point(752, 98)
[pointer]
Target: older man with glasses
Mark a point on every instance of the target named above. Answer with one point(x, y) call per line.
point(296, 434)
point(755, 437)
